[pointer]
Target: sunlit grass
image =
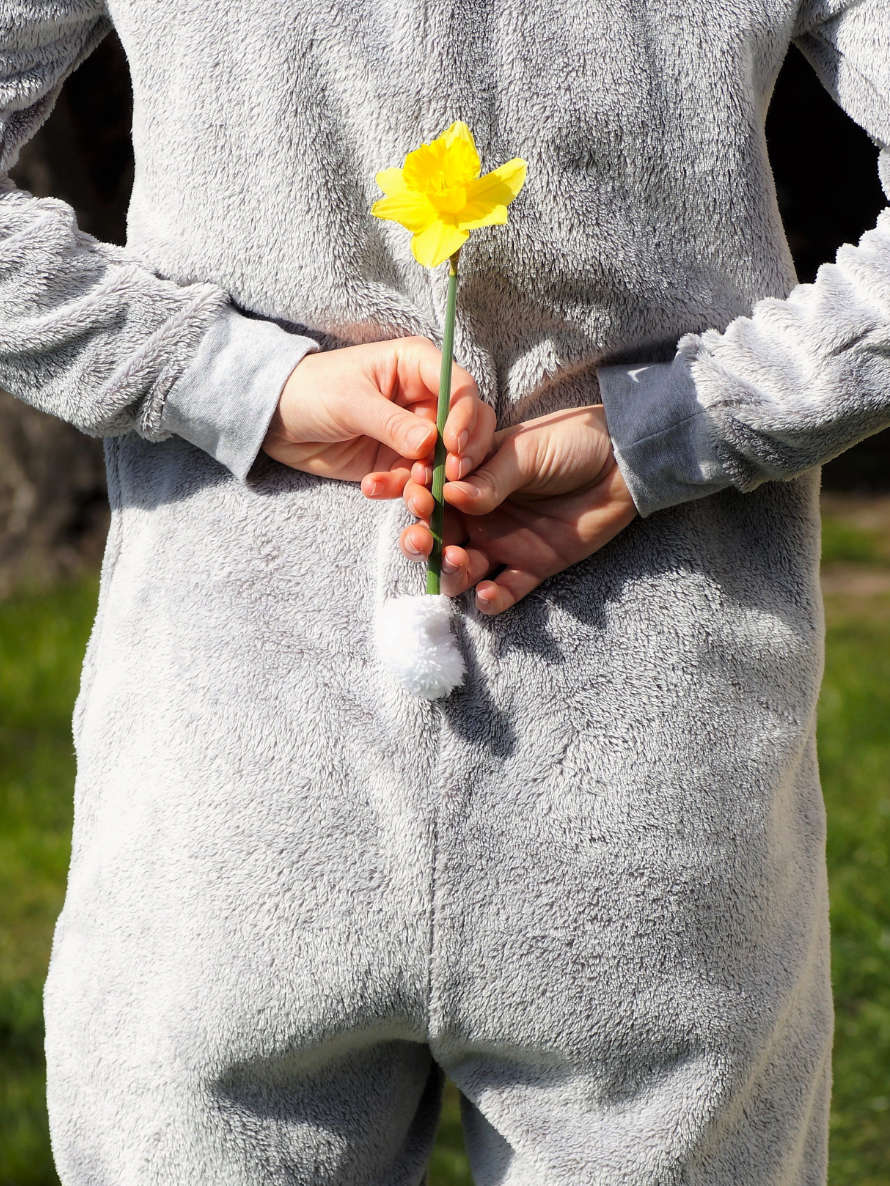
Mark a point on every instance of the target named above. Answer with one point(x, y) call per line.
point(855, 761)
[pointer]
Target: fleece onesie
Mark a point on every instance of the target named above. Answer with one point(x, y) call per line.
point(590, 885)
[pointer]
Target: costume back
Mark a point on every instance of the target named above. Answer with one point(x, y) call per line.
point(590, 885)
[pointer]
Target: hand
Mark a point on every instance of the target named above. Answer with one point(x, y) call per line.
point(549, 495)
point(370, 410)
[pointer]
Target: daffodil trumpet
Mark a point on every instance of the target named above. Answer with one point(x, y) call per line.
point(440, 197)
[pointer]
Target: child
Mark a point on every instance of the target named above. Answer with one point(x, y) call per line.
point(589, 885)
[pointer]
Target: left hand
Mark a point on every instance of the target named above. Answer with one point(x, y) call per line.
point(549, 495)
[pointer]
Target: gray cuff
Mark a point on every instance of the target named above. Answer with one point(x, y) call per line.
point(659, 434)
point(225, 398)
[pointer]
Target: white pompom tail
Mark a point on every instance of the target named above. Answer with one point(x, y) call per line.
point(416, 644)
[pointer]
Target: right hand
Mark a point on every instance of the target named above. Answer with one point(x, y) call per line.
point(370, 409)
point(550, 495)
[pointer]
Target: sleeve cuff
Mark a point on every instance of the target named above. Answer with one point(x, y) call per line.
point(659, 434)
point(225, 398)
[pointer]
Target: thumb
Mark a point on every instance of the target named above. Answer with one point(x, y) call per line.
point(404, 432)
point(490, 483)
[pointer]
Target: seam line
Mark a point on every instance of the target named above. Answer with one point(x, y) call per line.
point(434, 861)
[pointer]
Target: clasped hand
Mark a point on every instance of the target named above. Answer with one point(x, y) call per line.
point(522, 503)
point(547, 495)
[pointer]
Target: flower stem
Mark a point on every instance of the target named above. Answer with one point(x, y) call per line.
point(437, 519)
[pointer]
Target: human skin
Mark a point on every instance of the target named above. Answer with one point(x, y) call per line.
point(549, 494)
point(371, 408)
point(530, 500)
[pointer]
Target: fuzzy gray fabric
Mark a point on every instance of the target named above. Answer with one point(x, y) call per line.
point(590, 885)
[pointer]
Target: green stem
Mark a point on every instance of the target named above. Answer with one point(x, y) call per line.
point(437, 519)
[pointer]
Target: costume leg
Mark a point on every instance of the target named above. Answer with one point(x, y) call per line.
point(237, 991)
point(361, 1112)
point(632, 1010)
point(631, 947)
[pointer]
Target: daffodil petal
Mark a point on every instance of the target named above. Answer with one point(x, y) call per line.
point(463, 157)
point(411, 209)
point(496, 216)
point(423, 166)
point(462, 164)
point(497, 188)
point(459, 130)
point(436, 242)
point(391, 181)
point(449, 161)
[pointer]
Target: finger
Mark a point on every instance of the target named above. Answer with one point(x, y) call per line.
point(385, 483)
point(508, 587)
point(426, 411)
point(418, 369)
point(422, 473)
point(457, 435)
point(459, 422)
point(462, 568)
point(469, 436)
point(418, 500)
point(488, 486)
point(416, 541)
point(408, 435)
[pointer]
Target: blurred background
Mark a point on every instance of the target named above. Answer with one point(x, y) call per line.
point(53, 521)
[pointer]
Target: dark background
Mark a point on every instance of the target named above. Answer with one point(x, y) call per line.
point(53, 512)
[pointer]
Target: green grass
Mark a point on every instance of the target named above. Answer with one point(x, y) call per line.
point(42, 639)
point(855, 762)
point(844, 542)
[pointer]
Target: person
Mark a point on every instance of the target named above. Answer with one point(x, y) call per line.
point(589, 886)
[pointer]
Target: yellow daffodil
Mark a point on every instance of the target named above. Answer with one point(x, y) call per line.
point(439, 195)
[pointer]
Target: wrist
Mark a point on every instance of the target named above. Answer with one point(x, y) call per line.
point(223, 400)
point(284, 426)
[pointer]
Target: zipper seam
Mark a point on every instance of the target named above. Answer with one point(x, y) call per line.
point(433, 784)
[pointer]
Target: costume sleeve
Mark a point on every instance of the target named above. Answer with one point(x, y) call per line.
point(800, 379)
point(87, 331)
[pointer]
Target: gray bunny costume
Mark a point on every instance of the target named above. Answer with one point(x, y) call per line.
point(590, 885)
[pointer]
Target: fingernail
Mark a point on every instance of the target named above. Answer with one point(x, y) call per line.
point(412, 550)
point(372, 487)
point(464, 466)
point(417, 437)
point(448, 566)
point(412, 506)
point(462, 441)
